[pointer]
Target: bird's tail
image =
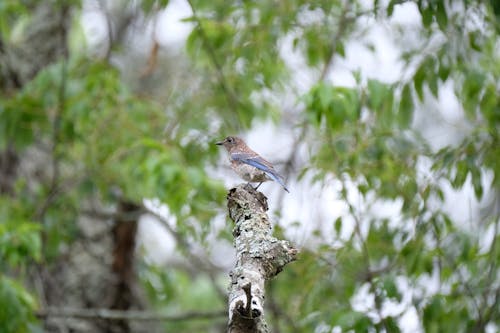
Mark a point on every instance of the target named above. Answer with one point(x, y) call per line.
point(278, 178)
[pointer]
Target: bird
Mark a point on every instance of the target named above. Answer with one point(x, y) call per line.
point(248, 164)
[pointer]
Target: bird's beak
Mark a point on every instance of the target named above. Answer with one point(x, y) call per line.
point(220, 143)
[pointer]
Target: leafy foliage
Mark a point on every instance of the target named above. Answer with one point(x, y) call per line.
point(99, 139)
point(20, 244)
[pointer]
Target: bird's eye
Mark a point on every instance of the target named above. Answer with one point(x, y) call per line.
point(230, 140)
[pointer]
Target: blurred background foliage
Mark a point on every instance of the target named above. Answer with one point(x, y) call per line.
point(88, 130)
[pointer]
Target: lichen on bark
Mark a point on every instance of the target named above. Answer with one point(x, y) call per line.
point(259, 257)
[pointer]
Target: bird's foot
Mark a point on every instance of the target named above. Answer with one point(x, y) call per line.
point(256, 188)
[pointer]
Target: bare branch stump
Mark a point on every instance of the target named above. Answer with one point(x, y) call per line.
point(259, 257)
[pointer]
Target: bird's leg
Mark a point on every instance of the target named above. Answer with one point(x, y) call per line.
point(258, 186)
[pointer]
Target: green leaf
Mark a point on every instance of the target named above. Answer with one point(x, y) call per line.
point(443, 72)
point(390, 7)
point(391, 324)
point(461, 172)
point(432, 81)
point(378, 93)
point(418, 81)
point(325, 97)
point(17, 306)
point(337, 105)
point(340, 49)
point(427, 15)
point(152, 144)
point(391, 289)
point(441, 16)
point(406, 107)
point(338, 225)
point(20, 241)
point(475, 173)
point(490, 105)
point(475, 40)
point(352, 320)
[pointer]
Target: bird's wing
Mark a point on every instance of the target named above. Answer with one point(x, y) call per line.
point(261, 164)
point(253, 160)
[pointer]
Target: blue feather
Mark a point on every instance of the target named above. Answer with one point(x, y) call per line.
point(261, 164)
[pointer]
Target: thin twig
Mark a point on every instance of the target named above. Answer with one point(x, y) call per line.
point(56, 123)
point(127, 315)
point(205, 265)
point(231, 98)
point(366, 256)
point(333, 48)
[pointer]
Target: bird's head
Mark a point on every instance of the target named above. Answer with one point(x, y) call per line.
point(230, 143)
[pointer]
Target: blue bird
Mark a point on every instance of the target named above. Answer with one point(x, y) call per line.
point(248, 164)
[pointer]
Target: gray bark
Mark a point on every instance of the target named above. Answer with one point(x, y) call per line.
point(260, 257)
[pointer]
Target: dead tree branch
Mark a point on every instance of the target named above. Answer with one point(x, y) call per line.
point(129, 315)
point(260, 257)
